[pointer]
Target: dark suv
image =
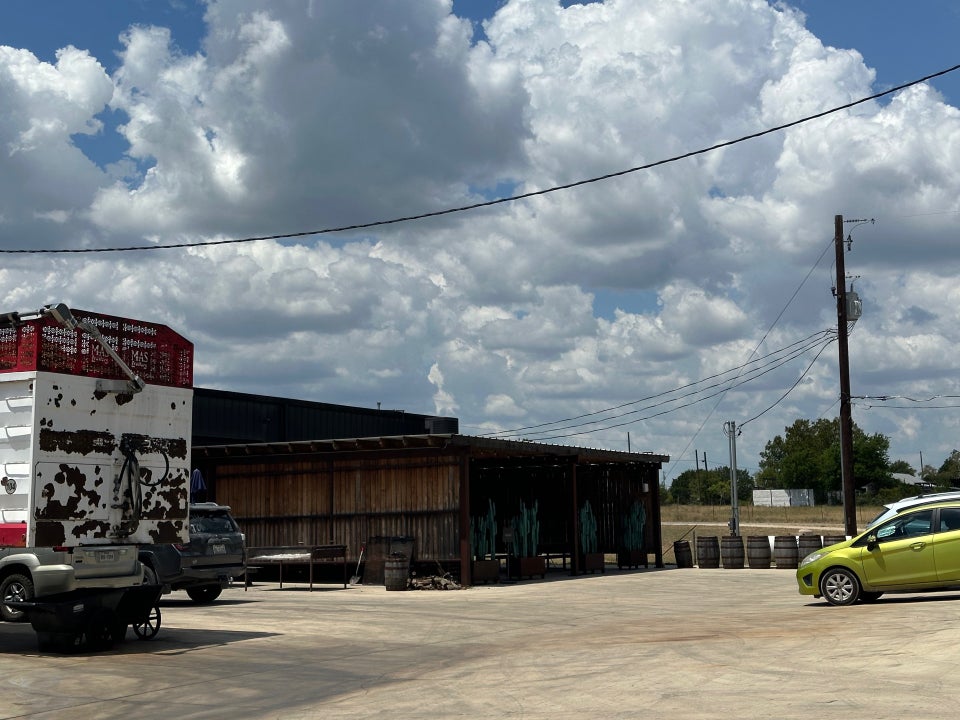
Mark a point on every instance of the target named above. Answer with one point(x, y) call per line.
point(207, 564)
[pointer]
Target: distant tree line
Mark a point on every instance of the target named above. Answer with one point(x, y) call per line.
point(807, 456)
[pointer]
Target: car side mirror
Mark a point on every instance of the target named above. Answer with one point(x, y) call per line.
point(871, 541)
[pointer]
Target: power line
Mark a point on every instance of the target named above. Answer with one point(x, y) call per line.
point(782, 397)
point(753, 374)
point(769, 330)
point(489, 203)
point(810, 340)
point(884, 398)
point(909, 407)
point(916, 403)
point(680, 407)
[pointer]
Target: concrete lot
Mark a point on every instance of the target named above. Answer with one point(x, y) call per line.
point(655, 644)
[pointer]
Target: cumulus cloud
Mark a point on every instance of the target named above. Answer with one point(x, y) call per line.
point(46, 181)
point(299, 116)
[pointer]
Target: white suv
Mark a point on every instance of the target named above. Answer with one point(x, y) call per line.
point(893, 508)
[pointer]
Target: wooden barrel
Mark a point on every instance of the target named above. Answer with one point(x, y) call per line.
point(708, 551)
point(833, 539)
point(681, 551)
point(807, 544)
point(758, 551)
point(731, 551)
point(785, 553)
point(395, 571)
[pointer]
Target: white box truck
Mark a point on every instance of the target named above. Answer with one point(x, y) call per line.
point(95, 423)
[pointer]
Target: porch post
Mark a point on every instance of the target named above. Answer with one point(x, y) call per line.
point(466, 574)
point(575, 556)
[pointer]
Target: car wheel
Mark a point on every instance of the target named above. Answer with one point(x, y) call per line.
point(204, 594)
point(149, 576)
point(870, 597)
point(15, 587)
point(840, 586)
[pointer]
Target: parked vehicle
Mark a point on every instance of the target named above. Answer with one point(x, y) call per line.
point(95, 417)
point(916, 550)
point(210, 561)
point(891, 509)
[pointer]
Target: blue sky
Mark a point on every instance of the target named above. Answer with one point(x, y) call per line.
point(505, 317)
point(901, 41)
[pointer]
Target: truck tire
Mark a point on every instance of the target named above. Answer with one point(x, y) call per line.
point(204, 594)
point(149, 575)
point(15, 587)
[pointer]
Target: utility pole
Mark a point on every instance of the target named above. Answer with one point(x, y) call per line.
point(706, 476)
point(730, 428)
point(846, 421)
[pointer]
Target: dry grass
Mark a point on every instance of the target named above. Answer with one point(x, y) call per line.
point(687, 522)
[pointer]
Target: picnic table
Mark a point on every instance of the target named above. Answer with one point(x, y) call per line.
point(309, 555)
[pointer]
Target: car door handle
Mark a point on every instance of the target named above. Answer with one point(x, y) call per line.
point(918, 546)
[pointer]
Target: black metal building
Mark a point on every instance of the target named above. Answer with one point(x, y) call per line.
point(221, 417)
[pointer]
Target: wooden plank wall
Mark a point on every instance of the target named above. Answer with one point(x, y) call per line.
point(315, 500)
point(612, 490)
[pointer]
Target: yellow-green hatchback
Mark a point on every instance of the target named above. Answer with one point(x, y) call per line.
point(918, 550)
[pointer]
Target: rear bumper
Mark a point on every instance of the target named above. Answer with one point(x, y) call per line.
point(223, 576)
point(53, 579)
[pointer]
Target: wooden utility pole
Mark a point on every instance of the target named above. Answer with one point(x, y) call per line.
point(846, 420)
point(730, 428)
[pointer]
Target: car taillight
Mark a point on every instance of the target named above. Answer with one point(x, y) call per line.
point(62, 548)
point(181, 547)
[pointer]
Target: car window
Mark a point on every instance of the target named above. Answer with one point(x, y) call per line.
point(906, 526)
point(219, 523)
point(877, 518)
point(949, 519)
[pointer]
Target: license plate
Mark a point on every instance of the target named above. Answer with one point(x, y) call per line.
point(219, 549)
point(106, 556)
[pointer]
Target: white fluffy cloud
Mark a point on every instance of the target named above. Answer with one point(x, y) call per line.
point(303, 116)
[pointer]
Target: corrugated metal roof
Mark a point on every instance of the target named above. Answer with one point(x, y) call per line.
point(471, 445)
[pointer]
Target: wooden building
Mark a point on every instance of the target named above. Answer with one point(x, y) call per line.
point(429, 487)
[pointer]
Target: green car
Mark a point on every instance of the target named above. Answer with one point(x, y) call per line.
point(918, 550)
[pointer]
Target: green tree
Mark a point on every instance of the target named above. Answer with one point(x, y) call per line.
point(948, 475)
point(807, 455)
point(902, 467)
point(683, 488)
point(709, 487)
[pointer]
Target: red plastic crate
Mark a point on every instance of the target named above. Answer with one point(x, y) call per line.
point(155, 352)
point(13, 534)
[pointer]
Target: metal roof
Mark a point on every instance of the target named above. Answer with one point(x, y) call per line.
point(471, 445)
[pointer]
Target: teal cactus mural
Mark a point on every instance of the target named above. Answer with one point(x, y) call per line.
point(588, 529)
point(483, 533)
point(633, 525)
point(526, 531)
